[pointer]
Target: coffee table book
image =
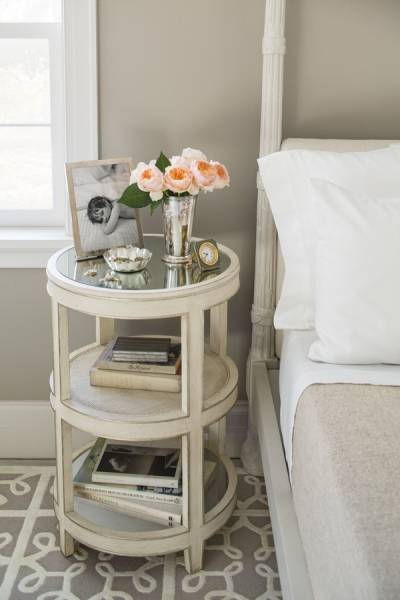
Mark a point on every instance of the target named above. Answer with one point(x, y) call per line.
point(170, 515)
point(130, 463)
point(83, 484)
point(151, 504)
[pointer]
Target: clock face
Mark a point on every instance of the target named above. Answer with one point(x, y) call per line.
point(208, 254)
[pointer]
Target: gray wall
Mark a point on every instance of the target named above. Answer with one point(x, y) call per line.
point(342, 74)
point(342, 80)
point(26, 342)
point(182, 74)
point(206, 95)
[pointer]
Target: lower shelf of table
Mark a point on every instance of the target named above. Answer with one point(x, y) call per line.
point(110, 531)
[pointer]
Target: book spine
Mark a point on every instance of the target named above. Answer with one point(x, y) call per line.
point(146, 480)
point(100, 490)
point(132, 380)
point(132, 367)
point(140, 356)
point(134, 510)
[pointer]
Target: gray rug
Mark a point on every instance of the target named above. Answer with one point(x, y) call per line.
point(239, 561)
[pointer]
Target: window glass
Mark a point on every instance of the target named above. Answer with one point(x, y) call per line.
point(25, 132)
point(24, 81)
point(25, 168)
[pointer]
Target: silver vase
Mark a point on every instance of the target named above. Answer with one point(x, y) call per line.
point(178, 213)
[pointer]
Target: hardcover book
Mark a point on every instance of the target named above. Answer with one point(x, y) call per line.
point(128, 463)
point(172, 367)
point(138, 376)
point(170, 515)
point(83, 485)
point(141, 349)
point(135, 380)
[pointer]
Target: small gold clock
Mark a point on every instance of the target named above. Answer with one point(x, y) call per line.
point(206, 254)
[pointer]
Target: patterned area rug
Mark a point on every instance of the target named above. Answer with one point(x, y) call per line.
point(239, 561)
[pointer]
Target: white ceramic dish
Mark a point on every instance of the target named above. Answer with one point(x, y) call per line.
point(127, 259)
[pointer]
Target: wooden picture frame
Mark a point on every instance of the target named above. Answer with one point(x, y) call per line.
point(99, 222)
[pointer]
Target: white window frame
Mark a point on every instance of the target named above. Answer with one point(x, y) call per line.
point(74, 133)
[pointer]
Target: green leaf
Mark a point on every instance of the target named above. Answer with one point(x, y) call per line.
point(154, 205)
point(134, 197)
point(162, 162)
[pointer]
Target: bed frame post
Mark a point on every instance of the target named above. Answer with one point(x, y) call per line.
point(273, 47)
point(263, 337)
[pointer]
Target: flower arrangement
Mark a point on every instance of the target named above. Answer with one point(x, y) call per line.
point(183, 175)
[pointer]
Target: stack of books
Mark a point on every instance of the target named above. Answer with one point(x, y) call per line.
point(141, 350)
point(140, 481)
point(142, 363)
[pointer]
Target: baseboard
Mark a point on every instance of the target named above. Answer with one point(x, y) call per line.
point(27, 429)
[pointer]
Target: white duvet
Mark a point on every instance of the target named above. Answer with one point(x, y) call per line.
point(297, 372)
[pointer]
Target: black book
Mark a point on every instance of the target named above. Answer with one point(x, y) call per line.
point(143, 349)
point(171, 367)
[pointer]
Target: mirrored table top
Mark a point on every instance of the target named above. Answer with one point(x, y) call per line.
point(157, 275)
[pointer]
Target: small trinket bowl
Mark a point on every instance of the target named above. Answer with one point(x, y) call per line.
point(127, 259)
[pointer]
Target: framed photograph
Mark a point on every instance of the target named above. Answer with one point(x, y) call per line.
point(99, 221)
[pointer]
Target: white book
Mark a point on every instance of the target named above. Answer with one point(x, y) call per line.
point(152, 511)
point(84, 487)
point(155, 382)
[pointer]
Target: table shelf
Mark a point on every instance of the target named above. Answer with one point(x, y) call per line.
point(130, 415)
point(111, 531)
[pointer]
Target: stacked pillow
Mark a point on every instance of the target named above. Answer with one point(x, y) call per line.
point(338, 221)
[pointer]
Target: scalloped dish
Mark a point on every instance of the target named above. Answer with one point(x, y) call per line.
point(127, 259)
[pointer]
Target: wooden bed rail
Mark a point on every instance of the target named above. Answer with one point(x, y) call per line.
point(293, 572)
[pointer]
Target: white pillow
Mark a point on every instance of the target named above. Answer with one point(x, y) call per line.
point(357, 277)
point(286, 178)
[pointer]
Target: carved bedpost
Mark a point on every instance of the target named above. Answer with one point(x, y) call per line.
point(263, 338)
point(263, 346)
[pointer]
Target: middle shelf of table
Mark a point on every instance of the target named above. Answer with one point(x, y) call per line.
point(142, 414)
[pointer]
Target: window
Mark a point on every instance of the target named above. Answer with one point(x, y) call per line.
point(43, 116)
point(32, 124)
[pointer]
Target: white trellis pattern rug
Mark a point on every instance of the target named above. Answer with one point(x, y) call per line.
point(239, 562)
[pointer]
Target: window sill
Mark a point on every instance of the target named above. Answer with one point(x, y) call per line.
point(25, 248)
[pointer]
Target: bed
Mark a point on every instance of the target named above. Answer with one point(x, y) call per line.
point(344, 496)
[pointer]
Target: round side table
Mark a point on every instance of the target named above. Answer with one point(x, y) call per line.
point(209, 390)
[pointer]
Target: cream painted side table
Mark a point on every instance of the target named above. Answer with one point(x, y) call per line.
point(209, 390)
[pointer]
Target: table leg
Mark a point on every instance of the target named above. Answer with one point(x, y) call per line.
point(218, 344)
point(63, 485)
point(192, 443)
point(65, 494)
point(104, 330)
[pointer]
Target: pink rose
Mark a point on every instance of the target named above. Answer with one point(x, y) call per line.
point(191, 154)
point(179, 161)
point(150, 179)
point(223, 178)
point(205, 174)
point(178, 179)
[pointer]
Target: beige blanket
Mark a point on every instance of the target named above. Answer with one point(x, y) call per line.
point(346, 488)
